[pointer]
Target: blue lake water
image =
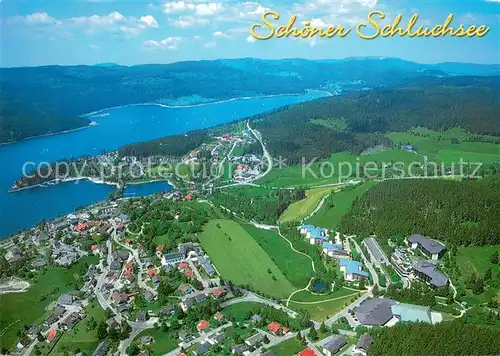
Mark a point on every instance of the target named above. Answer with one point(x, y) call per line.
point(118, 127)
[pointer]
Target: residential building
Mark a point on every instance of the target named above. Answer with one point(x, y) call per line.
point(352, 270)
point(216, 339)
point(363, 344)
point(171, 258)
point(307, 352)
point(255, 340)
point(202, 349)
point(373, 312)
point(375, 251)
point(102, 349)
point(202, 325)
point(428, 272)
point(207, 265)
point(66, 299)
point(431, 248)
point(239, 349)
point(334, 345)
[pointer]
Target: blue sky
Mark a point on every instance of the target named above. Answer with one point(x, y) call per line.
point(43, 32)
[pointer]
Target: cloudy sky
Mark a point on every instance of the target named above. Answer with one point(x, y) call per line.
point(42, 32)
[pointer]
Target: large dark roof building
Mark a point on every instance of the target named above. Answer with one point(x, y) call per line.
point(374, 311)
point(428, 272)
point(433, 249)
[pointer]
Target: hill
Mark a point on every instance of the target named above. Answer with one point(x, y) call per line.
point(358, 121)
point(460, 213)
point(56, 95)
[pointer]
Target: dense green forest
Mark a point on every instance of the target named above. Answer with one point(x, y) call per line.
point(174, 146)
point(460, 213)
point(40, 100)
point(448, 338)
point(356, 121)
point(264, 206)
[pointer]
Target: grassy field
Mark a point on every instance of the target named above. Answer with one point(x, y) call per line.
point(329, 216)
point(294, 266)
point(240, 310)
point(28, 308)
point(302, 208)
point(288, 347)
point(80, 337)
point(163, 341)
point(239, 258)
point(321, 311)
point(305, 296)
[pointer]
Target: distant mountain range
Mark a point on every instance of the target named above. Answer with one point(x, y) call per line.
point(41, 100)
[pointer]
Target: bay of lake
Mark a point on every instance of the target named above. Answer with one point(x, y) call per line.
point(115, 127)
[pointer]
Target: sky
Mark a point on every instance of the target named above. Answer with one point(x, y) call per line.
point(69, 32)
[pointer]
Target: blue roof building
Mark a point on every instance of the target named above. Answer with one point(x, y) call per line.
point(412, 313)
point(328, 246)
point(352, 270)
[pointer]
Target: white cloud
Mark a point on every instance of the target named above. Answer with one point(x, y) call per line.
point(94, 46)
point(221, 34)
point(318, 23)
point(187, 21)
point(208, 9)
point(492, 0)
point(170, 43)
point(251, 39)
point(39, 18)
point(259, 10)
point(210, 44)
point(202, 9)
point(149, 20)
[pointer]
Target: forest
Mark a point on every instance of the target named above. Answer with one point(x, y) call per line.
point(459, 213)
point(41, 100)
point(446, 338)
point(357, 121)
point(264, 206)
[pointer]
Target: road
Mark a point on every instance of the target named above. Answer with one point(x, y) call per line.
point(253, 298)
point(368, 264)
point(267, 155)
point(345, 311)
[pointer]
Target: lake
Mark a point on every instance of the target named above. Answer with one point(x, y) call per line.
point(115, 127)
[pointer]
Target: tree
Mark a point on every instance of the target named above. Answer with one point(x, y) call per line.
point(361, 284)
point(494, 258)
point(313, 334)
point(322, 328)
point(487, 275)
point(133, 350)
point(102, 331)
point(478, 287)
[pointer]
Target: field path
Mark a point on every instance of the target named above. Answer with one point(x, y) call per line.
point(293, 248)
point(326, 300)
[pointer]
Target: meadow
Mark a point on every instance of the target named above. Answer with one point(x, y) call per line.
point(239, 259)
point(294, 266)
point(163, 341)
point(289, 347)
point(302, 208)
point(29, 307)
point(337, 205)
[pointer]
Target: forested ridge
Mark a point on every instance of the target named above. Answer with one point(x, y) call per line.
point(448, 338)
point(460, 213)
point(40, 100)
point(356, 121)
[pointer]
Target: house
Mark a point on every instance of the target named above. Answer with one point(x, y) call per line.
point(170, 258)
point(412, 313)
point(202, 325)
point(364, 343)
point(431, 248)
point(33, 332)
point(428, 272)
point(118, 297)
point(13, 255)
point(216, 339)
point(352, 270)
point(155, 280)
point(334, 345)
point(315, 235)
point(256, 318)
point(274, 327)
point(124, 218)
point(255, 340)
point(332, 250)
point(151, 272)
point(70, 321)
point(207, 265)
point(39, 263)
point(167, 310)
point(202, 349)
point(218, 292)
point(239, 349)
point(185, 336)
point(66, 299)
point(102, 349)
point(307, 352)
point(149, 296)
point(51, 335)
point(373, 312)
point(146, 340)
point(218, 316)
point(141, 316)
point(186, 289)
point(24, 342)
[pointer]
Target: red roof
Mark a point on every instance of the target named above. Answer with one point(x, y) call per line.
point(284, 329)
point(183, 265)
point(202, 325)
point(160, 248)
point(81, 227)
point(93, 247)
point(52, 335)
point(151, 272)
point(188, 273)
point(307, 352)
point(129, 266)
point(188, 197)
point(217, 292)
point(120, 226)
point(274, 327)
